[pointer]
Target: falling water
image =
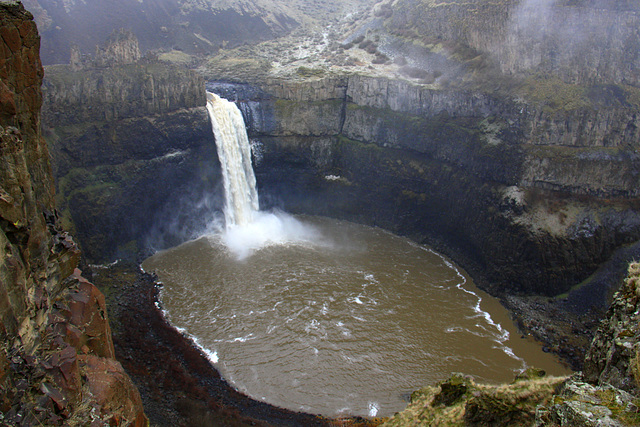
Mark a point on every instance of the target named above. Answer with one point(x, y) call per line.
point(234, 151)
point(247, 228)
point(326, 316)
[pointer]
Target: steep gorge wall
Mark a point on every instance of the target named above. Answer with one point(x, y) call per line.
point(464, 170)
point(133, 152)
point(581, 41)
point(57, 363)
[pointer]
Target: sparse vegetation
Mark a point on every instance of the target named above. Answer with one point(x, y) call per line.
point(310, 72)
point(553, 94)
point(460, 401)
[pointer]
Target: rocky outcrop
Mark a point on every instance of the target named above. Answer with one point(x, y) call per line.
point(607, 391)
point(119, 92)
point(460, 401)
point(614, 354)
point(55, 334)
point(121, 48)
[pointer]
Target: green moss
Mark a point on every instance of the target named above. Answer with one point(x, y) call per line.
point(554, 95)
point(609, 399)
point(310, 72)
point(343, 141)
point(176, 57)
point(459, 401)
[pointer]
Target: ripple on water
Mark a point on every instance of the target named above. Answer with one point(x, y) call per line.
point(349, 326)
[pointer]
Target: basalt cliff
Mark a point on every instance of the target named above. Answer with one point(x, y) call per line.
point(132, 144)
point(521, 164)
point(57, 362)
point(427, 119)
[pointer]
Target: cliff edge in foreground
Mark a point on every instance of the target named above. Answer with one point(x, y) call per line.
point(57, 364)
point(606, 393)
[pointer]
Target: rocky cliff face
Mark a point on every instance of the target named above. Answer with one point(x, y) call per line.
point(186, 27)
point(121, 48)
point(607, 391)
point(133, 152)
point(584, 41)
point(195, 27)
point(57, 364)
point(462, 169)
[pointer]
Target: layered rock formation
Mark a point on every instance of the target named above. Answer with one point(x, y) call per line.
point(581, 41)
point(57, 364)
point(459, 168)
point(133, 153)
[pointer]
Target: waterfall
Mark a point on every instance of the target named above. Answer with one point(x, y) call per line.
point(234, 152)
point(247, 228)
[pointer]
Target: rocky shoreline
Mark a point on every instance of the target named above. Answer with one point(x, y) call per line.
point(179, 386)
point(177, 383)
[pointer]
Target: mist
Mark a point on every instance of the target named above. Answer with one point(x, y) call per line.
point(581, 41)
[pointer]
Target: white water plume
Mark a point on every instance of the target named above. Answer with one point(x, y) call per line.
point(266, 229)
point(247, 229)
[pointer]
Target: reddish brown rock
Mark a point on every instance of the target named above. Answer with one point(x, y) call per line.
point(113, 391)
point(7, 101)
point(48, 312)
point(88, 312)
point(11, 37)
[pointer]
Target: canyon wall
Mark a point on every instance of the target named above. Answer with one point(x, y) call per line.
point(531, 185)
point(469, 172)
point(192, 27)
point(134, 154)
point(57, 363)
point(581, 41)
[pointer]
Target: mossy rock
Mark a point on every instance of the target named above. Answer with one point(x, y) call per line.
point(452, 390)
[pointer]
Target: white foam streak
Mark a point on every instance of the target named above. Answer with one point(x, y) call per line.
point(501, 335)
point(373, 409)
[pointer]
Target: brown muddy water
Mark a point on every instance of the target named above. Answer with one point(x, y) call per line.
point(346, 321)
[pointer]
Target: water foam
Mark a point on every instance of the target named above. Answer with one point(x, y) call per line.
point(247, 229)
point(269, 229)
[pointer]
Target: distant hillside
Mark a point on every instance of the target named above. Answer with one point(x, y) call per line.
point(195, 27)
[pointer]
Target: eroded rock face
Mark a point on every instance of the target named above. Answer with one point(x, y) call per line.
point(49, 315)
point(614, 355)
point(133, 151)
point(581, 41)
point(460, 169)
point(607, 391)
point(121, 48)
